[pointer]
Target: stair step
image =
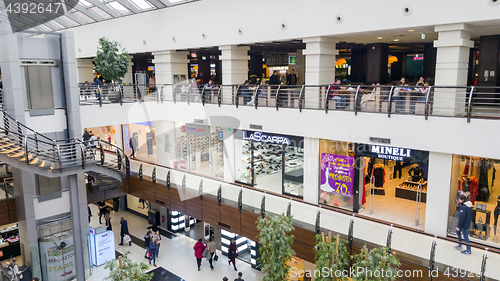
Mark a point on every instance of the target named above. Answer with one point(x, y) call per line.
point(7, 144)
point(23, 159)
point(10, 150)
point(34, 160)
point(17, 154)
point(45, 164)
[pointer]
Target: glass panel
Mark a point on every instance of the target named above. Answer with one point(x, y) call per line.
point(243, 161)
point(217, 151)
point(268, 159)
point(58, 25)
point(68, 21)
point(100, 13)
point(181, 146)
point(294, 171)
point(119, 8)
point(84, 17)
point(143, 5)
point(199, 154)
point(85, 3)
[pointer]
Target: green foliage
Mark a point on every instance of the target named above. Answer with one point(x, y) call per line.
point(275, 249)
point(376, 261)
point(131, 271)
point(108, 62)
point(327, 257)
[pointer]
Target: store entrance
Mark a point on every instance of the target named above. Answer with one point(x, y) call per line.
point(393, 190)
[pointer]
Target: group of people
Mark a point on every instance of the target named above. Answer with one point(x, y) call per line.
point(207, 251)
point(152, 241)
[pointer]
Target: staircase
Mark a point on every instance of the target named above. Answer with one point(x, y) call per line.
point(23, 148)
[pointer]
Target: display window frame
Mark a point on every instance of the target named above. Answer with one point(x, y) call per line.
point(284, 148)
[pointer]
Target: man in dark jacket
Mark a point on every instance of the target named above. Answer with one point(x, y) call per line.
point(124, 230)
point(239, 277)
point(274, 79)
point(291, 78)
point(463, 225)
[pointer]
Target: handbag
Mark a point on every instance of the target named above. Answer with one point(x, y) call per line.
point(126, 238)
point(216, 257)
point(206, 253)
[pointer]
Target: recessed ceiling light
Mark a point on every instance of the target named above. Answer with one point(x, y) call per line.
point(411, 30)
point(380, 37)
point(396, 40)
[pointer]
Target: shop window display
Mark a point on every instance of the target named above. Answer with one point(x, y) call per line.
point(217, 151)
point(181, 147)
point(270, 162)
point(475, 178)
point(140, 140)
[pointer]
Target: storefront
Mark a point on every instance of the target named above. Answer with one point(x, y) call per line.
point(475, 177)
point(384, 182)
point(269, 161)
point(140, 139)
point(104, 133)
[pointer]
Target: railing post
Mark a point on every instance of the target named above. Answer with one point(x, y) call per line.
point(119, 158)
point(263, 206)
point(277, 96)
point(59, 157)
point(237, 97)
point(140, 172)
point(127, 166)
point(203, 96)
point(350, 237)
point(301, 96)
point(256, 100)
point(121, 94)
point(219, 98)
point(161, 94)
point(102, 153)
point(427, 103)
point(100, 95)
point(326, 98)
point(189, 94)
point(390, 101)
point(317, 225)
point(5, 123)
point(139, 93)
point(82, 150)
point(432, 258)
point(356, 103)
point(20, 133)
point(483, 265)
point(36, 144)
point(174, 93)
point(388, 243)
point(469, 105)
point(26, 150)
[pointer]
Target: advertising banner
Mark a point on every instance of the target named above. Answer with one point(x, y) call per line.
point(104, 247)
point(59, 257)
point(337, 174)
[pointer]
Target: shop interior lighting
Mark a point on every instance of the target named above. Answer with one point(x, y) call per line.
point(241, 240)
point(175, 213)
point(242, 247)
point(224, 249)
point(411, 30)
point(379, 38)
point(396, 40)
point(252, 252)
point(253, 261)
point(227, 233)
point(224, 241)
point(252, 243)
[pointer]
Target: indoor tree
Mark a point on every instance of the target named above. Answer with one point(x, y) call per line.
point(112, 64)
point(125, 270)
point(332, 254)
point(376, 260)
point(275, 249)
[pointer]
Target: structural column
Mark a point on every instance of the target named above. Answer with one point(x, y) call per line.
point(129, 77)
point(453, 46)
point(311, 175)
point(85, 70)
point(169, 64)
point(320, 55)
point(376, 63)
point(229, 154)
point(438, 193)
point(300, 67)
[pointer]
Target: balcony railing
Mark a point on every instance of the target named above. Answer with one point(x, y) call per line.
point(463, 102)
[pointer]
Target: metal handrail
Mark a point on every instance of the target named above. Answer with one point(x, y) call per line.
point(390, 101)
point(356, 103)
point(277, 96)
point(469, 105)
point(427, 103)
point(301, 96)
point(189, 94)
point(326, 97)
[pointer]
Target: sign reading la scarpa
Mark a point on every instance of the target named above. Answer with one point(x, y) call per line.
point(267, 138)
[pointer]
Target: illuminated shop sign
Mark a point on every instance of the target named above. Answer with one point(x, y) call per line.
point(261, 137)
point(197, 130)
point(391, 153)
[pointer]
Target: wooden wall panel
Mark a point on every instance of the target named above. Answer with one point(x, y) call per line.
point(13, 216)
point(4, 219)
point(94, 198)
point(249, 231)
point(194, 201)
point(194, 212)
point(230, 213)
point(148, 185)
point(136, 191)
point(148, 196)
point(304, 237)
point(120, 191)
point(12, 205)
point(211, 205)
point(4, 208)
point(211, 217)
point(162, 190)
point(165, 200)
point(249, 217)
point(304, 252)
point(234, 225)
point(175, 202)
point(134, 181)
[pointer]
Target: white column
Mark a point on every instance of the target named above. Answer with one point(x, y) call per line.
point(229, 154)
point(311, 170)
point(234, 61)
point(170, 63)
point(300, 68)
point(320, 55)
point(85, 70)
point(453, 46)
point(129, 77)
point(438, 193)
point(165, 143)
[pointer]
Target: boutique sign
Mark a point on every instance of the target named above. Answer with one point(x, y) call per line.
point(259, 136)
point(391, 153)
point(337, 173)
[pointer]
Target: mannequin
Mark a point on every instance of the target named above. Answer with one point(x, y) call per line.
point(416, 173)
point(496, 214)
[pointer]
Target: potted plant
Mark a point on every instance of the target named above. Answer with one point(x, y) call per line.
point(375, 262)
point(331, 254)
point(275, 248)
point(125, 269)
point(112, 65)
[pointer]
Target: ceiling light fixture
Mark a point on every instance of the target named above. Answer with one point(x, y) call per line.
point(411, 30)
point(396, 40)
point(380, 37)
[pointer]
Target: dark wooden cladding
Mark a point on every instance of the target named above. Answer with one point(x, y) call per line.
point(249, 231)
point(210, 205)
point(211, 217)
point(13, 216)
point(230, 213)
point(148, 185)
point(304, 252)
point(134, 181)
point(4, 219)
point(4, 208)
point(304, 237)
point(249, 218)
point(194, 211)
point(148, 196)
point(165, 201)
point(162, 190)
point(175, 202)
point(194, 200)
point(94, 198)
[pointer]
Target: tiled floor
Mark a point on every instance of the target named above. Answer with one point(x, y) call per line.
point(176, 255)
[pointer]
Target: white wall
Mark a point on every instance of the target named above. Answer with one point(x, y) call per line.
point(438, 134)
point(221, 19)
point(52, 207)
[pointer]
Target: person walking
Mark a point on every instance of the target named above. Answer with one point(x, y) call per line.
point(124, 231)
point(239, 277)
point(89, 212)
point(158, 242)
point(102, 210)
point(86, 137)
point(211, 248)
point(152, 250)
point(107, 217)
point(93, 143)
point(232, 253)
point(198, 248)
point(131, 142)
point(147, 243)
point(463, 225)
point(274, 79)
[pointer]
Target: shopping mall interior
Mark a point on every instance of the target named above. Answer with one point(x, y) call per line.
point(195, 118)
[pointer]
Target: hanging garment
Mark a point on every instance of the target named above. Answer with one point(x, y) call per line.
point(379, 174)
point(483, 189)
point(467, 164)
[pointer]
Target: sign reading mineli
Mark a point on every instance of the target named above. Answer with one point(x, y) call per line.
point(391, 153)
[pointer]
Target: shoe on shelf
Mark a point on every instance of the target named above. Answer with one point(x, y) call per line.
point(465, 252)
point(458, 248)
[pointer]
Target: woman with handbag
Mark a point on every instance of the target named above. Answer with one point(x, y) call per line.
point(211, 248)
point(233, 252)
point(199, 248)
